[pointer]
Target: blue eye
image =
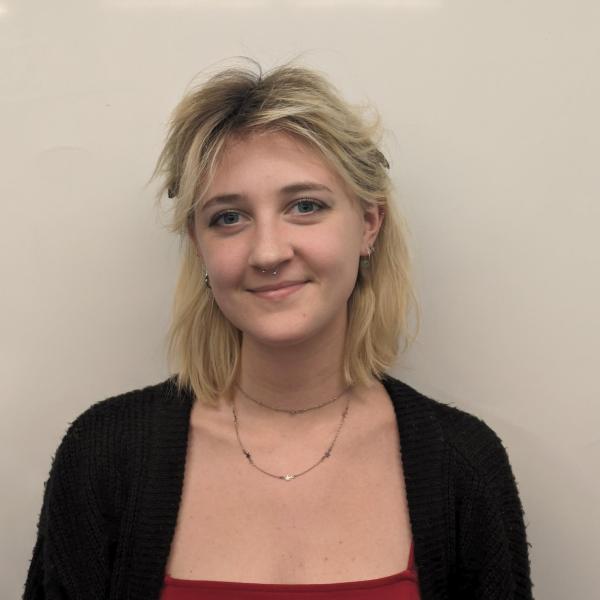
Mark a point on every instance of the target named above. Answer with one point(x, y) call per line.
point(228, 218)
point(307, 206)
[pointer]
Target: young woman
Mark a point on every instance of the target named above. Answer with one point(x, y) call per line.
point(281, 460)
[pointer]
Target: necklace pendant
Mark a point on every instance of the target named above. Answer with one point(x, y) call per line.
point(288, 477)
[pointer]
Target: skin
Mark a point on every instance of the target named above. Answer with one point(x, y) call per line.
point(347, 519)
point(292, 348)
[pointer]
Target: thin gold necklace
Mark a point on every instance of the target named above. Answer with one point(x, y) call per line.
point(289, 476)
point(293, 411)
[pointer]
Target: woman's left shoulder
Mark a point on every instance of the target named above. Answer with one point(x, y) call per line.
point(458, 462)
point(468, 436)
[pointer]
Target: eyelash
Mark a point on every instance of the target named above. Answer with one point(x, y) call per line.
point(320, 206)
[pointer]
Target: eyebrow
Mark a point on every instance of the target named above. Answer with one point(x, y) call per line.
point(292, 188)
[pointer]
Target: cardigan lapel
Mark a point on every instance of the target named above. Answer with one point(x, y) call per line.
point(426, 479)
point(158, 507)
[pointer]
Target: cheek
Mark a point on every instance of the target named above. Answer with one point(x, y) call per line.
point(224, 263)
point(225, 269)
point(337, 258)
point(341, 244)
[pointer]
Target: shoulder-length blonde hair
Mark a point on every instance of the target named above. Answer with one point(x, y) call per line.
point(204, 347)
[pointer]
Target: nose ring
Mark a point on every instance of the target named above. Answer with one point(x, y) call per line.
point(274, 273)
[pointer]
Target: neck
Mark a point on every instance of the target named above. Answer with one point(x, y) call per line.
point(293, 377)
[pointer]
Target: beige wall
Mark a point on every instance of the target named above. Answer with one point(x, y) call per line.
point(494, 139)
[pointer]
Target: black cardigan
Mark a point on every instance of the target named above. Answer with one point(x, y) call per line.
point(111, 502)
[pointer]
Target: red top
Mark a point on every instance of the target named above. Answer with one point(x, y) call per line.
point(401, 586)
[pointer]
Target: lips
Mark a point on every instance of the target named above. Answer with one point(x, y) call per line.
point(277, 291)
point(277, 286)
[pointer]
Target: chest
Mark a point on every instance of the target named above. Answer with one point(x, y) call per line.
point(345, 520)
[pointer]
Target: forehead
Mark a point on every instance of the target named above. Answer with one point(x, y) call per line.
point(270, 158)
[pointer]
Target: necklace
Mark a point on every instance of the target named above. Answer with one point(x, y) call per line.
point(293, 411)
point(289, 476)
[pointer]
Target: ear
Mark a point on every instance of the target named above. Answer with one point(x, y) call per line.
point(373, 217)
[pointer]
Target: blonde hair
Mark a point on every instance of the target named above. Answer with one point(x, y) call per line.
point(204, 347)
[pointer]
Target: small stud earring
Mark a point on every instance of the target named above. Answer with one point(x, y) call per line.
point(206, 280)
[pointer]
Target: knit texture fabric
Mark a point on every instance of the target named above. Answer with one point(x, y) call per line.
point(111, 501)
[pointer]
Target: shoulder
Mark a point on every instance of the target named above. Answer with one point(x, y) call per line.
point(461, 488)
point(126, 411)
point(473, 444)
point(106, 449)
point(143, 398)
point(117, 432)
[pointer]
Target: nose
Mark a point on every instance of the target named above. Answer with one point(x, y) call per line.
point(270, 246)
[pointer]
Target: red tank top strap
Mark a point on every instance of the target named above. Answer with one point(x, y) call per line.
point(411, 557)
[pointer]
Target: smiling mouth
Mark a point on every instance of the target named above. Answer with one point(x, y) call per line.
point(280, 293)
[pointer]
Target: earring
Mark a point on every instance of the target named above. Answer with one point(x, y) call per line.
point(365, 261)
point(206, 280)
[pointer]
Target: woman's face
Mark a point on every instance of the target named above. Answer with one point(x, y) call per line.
point(275, 205)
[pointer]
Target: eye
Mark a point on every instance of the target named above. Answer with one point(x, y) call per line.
point(227, 217)
point(307, 206)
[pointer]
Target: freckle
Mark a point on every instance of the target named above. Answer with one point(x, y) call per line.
point(325, 558)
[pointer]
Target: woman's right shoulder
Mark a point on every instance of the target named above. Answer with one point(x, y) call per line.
point(109, 442)
point(114, 428)
point(95, 474)
point(132, 404)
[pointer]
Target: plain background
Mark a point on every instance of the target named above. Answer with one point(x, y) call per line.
point(491, 113)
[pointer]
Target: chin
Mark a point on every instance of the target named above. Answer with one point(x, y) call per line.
point(285, 333)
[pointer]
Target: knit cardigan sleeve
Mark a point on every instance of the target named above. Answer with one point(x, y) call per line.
point(492, 561)
point(72, 553)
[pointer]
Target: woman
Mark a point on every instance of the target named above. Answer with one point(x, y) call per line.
point(271, 463)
